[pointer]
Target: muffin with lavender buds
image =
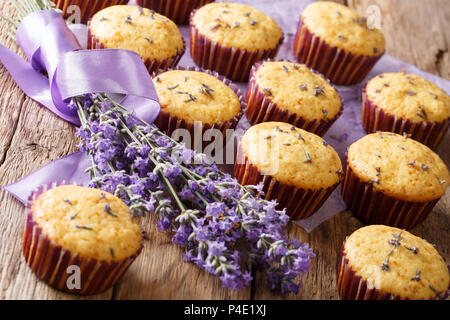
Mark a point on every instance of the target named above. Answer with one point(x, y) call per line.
point(292, 93)
point(154, 37)
point(296, 168)
point(72, 228)
point(393, 180)
point(87, 9)
point(384, 263)
point(337, 42)
point(231, 37)
point(178, 11)
point(406, 104)
point(191, 97)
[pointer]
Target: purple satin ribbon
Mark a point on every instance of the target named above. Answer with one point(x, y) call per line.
point(52, 48)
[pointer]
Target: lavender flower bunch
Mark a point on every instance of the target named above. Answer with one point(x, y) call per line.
point(223, 227)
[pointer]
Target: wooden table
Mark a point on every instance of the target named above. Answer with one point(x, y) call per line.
point(31, 136)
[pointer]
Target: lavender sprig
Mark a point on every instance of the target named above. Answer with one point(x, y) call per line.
point(223, 227)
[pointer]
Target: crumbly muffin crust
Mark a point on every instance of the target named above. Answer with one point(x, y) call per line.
point(294, 87)
point(399, 167)
point(292, 156)
point(237, 25)
point(88, 222)
point(397, 262)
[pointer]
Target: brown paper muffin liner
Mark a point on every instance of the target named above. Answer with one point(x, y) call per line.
point(261, 108)
point(51, 263)
point(233, 63)
point(87, 8)
point(299, 203)
point(353, 287)
point(340, 66)
point(374, 207)
point(427, 132)
point(178, 11)
point(151, 64)
point(169, 123)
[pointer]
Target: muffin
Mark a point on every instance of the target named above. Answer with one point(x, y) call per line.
point(384, 263)
point(393, 180)
point(406, 103)
point(337, 42)
point(154, 37)
point(297, 168)
point(292, 93)
point(71, 227)
point(87, 8)
point(231, 37)
point(177, 10)
point(190, 97)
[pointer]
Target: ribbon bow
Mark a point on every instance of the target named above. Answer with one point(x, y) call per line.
point(59, 70)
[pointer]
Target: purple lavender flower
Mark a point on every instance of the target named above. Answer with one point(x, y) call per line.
point(208, 213)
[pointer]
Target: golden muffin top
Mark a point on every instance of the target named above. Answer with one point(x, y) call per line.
point(294, 87)
point(150, 34)
point(395, 261)
point(409, 96)
point(237, 25)
point(292, 156)
point(196, 96)
point(88, 222)
point(399, 167)
point(344, 28)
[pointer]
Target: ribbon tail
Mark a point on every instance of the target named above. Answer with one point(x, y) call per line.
point(33, 83)
point(71, 168)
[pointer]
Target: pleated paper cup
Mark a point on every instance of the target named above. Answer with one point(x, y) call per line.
point(339, 66)
point(374, 207)
point(151, 64)
point(233, 63)
point(351, 286)
point(178, 11)
point(169, 123)
point(261, 108)
point(376, 119)
point(87, 9)
point(54, 265)
point(299, 203)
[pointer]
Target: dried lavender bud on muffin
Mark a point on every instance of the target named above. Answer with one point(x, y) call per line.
point(230, 37)
point(381, 262)
point(290, 92)
point(87, 9)
point(336, 41)
point(297, 168)
point(154, 37)
point(177, 10)
point(188, 96)
point(73, 225)
point(406, 103)
point(403, 180)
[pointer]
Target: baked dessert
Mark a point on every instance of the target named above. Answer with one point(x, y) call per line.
point(406, 104)
point(337, 42)
point(74, 230)
point(231, 37)
point(297, 168)
point(393, 180)
point(86, 9)
point(191, 97)
point(289, 92)
point(178, 11)
point(154, 37)
point(380, 262)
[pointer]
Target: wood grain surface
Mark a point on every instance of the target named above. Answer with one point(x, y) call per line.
point(30, 136)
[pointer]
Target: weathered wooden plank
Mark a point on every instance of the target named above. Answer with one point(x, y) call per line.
point(161, 273)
